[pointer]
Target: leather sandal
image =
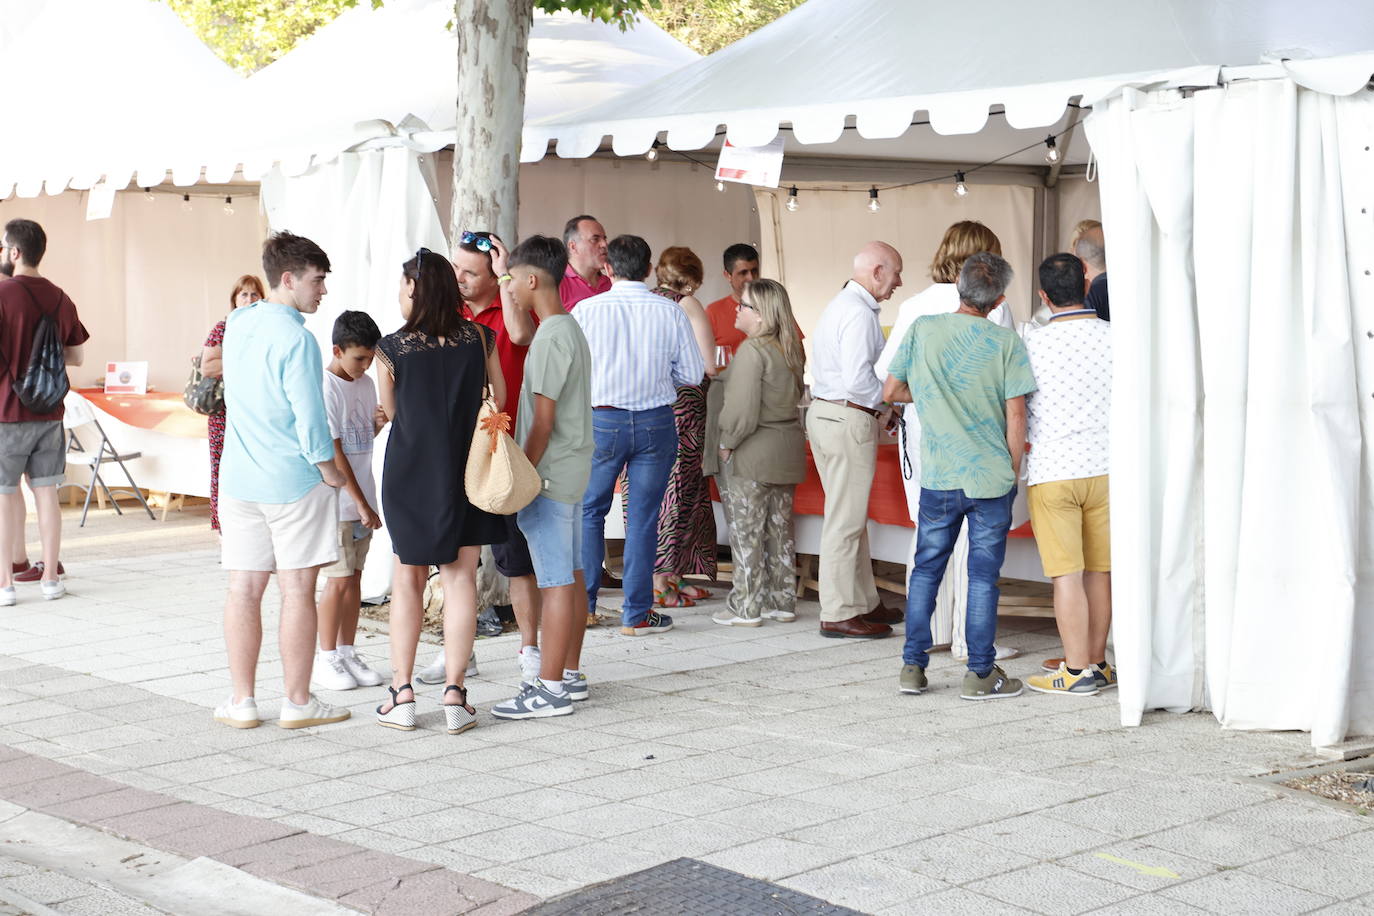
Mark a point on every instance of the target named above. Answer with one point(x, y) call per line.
point(402, 713)
point(696, 593)
point(459, 717)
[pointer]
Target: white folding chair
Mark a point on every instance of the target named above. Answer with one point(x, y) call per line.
point(79, 413)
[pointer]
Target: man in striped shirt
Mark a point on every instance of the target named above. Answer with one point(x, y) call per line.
point(642, 349)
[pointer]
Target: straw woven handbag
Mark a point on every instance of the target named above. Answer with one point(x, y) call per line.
point(499, 478)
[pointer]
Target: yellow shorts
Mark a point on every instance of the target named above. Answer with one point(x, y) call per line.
point(1072, 523)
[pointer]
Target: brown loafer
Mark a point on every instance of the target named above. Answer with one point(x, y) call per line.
point(882, 614)
point(35, 572)
point(854, 628)
point(1051, 664)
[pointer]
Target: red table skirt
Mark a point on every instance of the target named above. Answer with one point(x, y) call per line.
point(160, 411)
point(886, 501)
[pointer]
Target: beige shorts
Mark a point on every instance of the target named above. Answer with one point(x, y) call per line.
point(264, 537)
point(1072, 521)
point(352, 552)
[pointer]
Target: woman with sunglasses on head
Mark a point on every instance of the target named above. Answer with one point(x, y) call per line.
point(430, 385)
point(761, 454)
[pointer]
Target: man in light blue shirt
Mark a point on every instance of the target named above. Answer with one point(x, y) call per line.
point(642, 349)
point(278, 483)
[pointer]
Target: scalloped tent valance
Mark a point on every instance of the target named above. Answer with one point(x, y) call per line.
point(879, 67)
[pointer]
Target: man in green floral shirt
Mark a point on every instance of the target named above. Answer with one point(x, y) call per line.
point(967, 379)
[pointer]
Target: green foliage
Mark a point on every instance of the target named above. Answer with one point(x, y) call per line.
point(250, 34)
point(706, 26)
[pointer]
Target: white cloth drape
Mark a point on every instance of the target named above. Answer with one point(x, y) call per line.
point(1240, 245)
point(369, 211)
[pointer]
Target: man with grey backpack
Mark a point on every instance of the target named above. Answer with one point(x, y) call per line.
point(40, 336)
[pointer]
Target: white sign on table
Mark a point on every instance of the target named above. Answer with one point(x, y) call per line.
point(756, 165)
point(126, 378)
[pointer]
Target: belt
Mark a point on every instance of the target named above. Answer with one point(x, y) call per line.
point(605, 407)
point(871, 411)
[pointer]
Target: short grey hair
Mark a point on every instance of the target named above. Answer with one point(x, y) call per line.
point(1090, 252)
point(982, 280)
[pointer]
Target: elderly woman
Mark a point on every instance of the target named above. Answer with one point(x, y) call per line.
point(762, 456)
point(247, 290)
point(962, 240)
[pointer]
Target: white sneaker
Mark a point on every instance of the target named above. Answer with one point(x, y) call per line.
point(243, 714)
point(783, 616)
point(312, 713)
point(53, 590)
point(357, 666)
point(434, 672)
point(1005, 652)
point(8, 596)
point(331, 673)
point(529, 664)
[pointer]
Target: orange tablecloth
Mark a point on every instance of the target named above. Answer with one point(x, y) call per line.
point(159, 411)
point(886, 501)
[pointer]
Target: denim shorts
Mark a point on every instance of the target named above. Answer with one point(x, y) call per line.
point(554, 533)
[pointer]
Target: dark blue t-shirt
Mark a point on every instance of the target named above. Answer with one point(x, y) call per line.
point(1097, 297)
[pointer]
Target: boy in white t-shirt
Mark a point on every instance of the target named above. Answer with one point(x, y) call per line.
point(350, 403)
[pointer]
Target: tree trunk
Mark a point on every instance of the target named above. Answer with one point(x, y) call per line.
point(493, 53)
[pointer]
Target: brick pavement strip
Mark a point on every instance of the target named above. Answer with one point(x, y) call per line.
point(371, 881)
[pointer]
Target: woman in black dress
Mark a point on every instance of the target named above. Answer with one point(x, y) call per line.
point(430, 385)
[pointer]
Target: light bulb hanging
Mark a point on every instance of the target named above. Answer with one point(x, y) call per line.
point(1051, 151)
point(652, 154)
point(960, 188)
point(186, 203)
point(873, 205)
point(720, 186)
point(228, 206)
point(792, 199)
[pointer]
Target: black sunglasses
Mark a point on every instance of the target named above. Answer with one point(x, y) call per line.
point(420, 261)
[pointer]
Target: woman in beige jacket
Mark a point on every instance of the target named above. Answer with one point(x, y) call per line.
point(762, 454)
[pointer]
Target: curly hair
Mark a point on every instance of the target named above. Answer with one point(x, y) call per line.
point(680, 269)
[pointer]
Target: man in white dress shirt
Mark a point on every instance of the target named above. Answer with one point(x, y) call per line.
point(843, 422)
point(642, 348)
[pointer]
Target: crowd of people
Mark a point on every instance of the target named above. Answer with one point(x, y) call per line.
point(616, 385)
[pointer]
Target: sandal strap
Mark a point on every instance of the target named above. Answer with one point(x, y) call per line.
point(462, 697)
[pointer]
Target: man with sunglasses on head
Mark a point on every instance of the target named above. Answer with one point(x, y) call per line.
point(479, 262)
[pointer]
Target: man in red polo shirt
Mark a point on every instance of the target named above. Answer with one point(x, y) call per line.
point(480, 264)
point(741, 267)
point(585, 277)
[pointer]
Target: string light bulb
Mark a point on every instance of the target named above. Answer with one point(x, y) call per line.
point(873, 205)
point(720, 186)
point(792, 204)
point(148, 194)
point(228, 206)
point(186, 203)
point(652, 154)
point(960, 189)
point(1051, 151)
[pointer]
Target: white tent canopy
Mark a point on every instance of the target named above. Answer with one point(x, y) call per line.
point(86, 103)
point(372, 74)
point(879, 67)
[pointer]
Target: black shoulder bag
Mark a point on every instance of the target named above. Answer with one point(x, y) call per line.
point(45, 383)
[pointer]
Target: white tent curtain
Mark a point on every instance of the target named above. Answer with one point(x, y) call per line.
point(369, 211)
point(1243, 315)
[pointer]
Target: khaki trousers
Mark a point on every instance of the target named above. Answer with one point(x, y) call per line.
point(844, 442)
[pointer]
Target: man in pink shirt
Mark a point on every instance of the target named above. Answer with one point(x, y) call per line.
point(585, 276)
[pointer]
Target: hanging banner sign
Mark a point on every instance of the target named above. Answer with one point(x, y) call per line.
point(756, 165)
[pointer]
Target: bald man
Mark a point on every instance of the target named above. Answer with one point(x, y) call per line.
point(843, 422)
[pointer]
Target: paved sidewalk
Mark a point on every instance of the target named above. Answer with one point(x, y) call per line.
point(770, 752)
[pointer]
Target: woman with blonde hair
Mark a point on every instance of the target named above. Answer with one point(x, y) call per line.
point(761, 454)
point(961, 241)
point(247, 290)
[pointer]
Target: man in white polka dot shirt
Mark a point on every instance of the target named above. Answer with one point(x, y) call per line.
point(1067, 429)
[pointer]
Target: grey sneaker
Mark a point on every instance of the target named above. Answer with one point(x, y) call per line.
point(576, 686)
point(1105, 675)
point(534, 701)
point(993, 687)
point(913, 679)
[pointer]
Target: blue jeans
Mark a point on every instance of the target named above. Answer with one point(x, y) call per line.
point(942, 515)
point(645, 442)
